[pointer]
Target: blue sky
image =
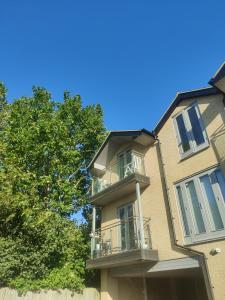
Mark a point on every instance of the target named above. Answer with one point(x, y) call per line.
point(129, 56)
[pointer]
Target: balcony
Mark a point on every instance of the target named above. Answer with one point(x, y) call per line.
point(119, 179)
point(120, 244)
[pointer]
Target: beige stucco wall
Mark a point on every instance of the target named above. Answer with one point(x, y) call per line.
point(122, 288)
point(153, 207)
point(154, 203)
point(213, 115)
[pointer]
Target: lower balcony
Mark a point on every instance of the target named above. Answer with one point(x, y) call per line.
point(122, 243)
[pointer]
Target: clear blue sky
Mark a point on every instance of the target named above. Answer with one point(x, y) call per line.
point(129, 56)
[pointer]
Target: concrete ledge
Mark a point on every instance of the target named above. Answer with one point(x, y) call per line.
point(123, 259)
point(119, 189)
point(158, 268)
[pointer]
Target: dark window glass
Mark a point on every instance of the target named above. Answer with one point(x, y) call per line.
point(183, 133)
point(127, 227)
point(196, 127)
point(221, 181)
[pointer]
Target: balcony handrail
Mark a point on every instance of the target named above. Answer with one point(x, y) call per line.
point(119, 222)
point(109, 167)
point(119, 237)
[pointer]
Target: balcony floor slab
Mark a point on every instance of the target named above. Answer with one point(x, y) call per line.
point(117, 190)
point(123, 259)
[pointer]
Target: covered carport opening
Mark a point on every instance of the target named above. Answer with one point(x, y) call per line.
point(186, 284)
point(176, 279)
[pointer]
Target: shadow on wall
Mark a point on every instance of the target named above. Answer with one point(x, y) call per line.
point(218, 144)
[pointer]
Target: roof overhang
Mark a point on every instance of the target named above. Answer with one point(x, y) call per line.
point(114, 140)
point(218, 80)
point(165, 268)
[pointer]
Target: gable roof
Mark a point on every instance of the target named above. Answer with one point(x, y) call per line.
point(218, 80)
point(120, 133)
point(207, 91)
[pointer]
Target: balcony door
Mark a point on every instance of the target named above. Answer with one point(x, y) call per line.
point(126, 229)
point(124, 161)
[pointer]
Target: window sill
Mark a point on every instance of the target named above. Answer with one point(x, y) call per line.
point(194, 153)
point(219, 236)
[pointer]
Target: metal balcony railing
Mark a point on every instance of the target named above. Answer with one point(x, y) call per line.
point(119, 237)
point(118, 171)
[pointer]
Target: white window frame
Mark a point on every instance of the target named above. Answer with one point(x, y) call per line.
point(193, 146)
point(195, 237)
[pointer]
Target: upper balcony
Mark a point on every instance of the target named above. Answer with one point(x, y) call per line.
point(120, 177)
point(116, 171)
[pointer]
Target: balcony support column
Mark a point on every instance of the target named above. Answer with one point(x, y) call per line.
point(141, 224)
point(93, 231)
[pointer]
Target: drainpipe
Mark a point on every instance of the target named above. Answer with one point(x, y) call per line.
point(141, 225)
point(93, 231)
point(203, 258)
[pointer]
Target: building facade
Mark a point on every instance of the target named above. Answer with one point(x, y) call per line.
point(160, 198)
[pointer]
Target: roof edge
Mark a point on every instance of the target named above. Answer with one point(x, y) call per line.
point(220, 73)
point(207, 91)
point(119, 133)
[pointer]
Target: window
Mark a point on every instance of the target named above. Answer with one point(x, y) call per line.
point(129, 162)
point(126, 231)
point(124, 159)
point(201, 201)
point(190, 131)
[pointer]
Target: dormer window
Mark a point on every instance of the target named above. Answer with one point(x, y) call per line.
point(190, 131)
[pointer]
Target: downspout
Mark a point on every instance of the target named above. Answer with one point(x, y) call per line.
point(209, 286)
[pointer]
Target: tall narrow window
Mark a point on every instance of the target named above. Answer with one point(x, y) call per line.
point(196, 126)
point(201, 201)
point(190, 131)
point(127, 238)
point(183, 212)
point(220, 180)
point(211, 203)
point(183, 134)
point(196, 206)
point(124, 160)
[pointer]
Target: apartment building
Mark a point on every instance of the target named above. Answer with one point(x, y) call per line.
point(160, 197)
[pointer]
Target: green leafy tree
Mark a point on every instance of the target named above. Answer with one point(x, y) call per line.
point(45, 147)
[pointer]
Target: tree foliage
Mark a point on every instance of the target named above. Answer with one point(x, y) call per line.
point(45, 147)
